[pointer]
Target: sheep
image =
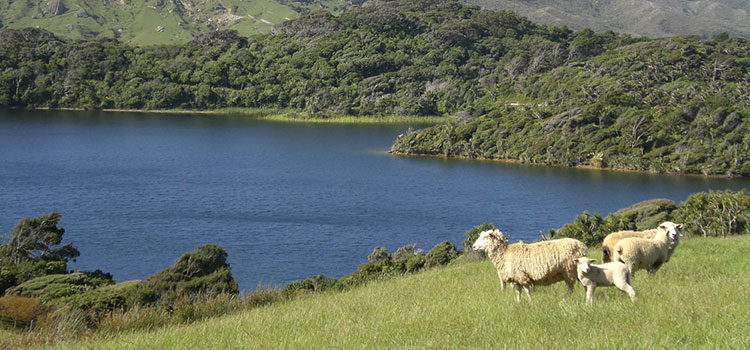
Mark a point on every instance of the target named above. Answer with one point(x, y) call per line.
point(611, 240)
point(641, 253)
point(605, 275)
point(526, 265)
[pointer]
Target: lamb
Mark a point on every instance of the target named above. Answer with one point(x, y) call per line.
point(611, 240)
point(605, 275)
point(526, 265)
point(641, 253)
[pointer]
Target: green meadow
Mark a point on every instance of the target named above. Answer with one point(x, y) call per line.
point(699, 300)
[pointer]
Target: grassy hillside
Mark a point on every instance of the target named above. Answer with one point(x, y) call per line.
point(637, 17)
point(147, 22)
point(700, 299)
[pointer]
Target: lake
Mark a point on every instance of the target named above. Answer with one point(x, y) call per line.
point(286, 200)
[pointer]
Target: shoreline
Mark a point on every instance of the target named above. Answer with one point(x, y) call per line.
point(276, 115)
point(585, 167)
point(290, 116)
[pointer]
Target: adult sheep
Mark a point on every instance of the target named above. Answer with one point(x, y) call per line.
point(642, 253)
point(526, 265)
point(609, 243)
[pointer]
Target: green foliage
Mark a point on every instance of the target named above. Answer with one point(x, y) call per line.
point(107, 298)
point(203, 270)
point(33, 240)
point(645, 215)
point(315, 284)
point(715, 214)
point(707, 214)
point(518, 91)
point(50, 288)
point(378, 253)
point(31, 251)
point(441, 254)
point(590, 229)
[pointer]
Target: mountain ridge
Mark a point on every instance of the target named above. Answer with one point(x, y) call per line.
point(706, 18)
point(148, 22)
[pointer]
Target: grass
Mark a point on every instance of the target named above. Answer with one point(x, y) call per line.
point(7, 334)
point(700, 299)
point(286, 115)
point(292, 116)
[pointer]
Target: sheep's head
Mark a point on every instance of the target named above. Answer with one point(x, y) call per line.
point(584, 263)
point(488, 238)
point(673, 230)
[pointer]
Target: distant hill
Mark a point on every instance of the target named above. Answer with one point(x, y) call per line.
point(144, 22)
point(651, 18)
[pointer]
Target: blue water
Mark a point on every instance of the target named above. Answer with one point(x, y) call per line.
point(286, 200)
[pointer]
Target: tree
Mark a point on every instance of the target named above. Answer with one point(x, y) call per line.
point(34, 239)
point(31, 251)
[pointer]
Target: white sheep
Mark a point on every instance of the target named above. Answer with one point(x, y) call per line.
point(641, 253)
point(609, 242)
point(604, 275)
point(526, 265)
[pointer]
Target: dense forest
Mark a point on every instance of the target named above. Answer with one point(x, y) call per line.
point(514, 89)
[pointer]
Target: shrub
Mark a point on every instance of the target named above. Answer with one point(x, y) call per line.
point(52, 287)
point(31, 251)
point(590, 229)
point(441, 254)
point(378, 253)
point(19, 311)
point(315, 284)
point(415, 263)
point(645, 215)
point(203, 270)
point(105, 299)
point(714, 214)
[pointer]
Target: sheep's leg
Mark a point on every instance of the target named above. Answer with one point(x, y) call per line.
point(502, 283)
point(631, 269)
point(655, 267)
point(571, 285)
point(631, 292)
point(590, 293)
point(517, 287)
point(528, 293)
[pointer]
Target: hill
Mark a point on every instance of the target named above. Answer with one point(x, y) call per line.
point(697, 300)
point(516, 90)
point(146, 22)
point(706, 18)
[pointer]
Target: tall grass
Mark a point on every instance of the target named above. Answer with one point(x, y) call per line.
point(700, 299)
point(285, 115)
point(289, 115)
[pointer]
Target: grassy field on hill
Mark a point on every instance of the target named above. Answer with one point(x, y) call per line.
point(700, 299)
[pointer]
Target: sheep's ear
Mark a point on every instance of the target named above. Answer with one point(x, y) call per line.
point(662, 227)
point(593, 260)
point(679, 225)
point(576, 261)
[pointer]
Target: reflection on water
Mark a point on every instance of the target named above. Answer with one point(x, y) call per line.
point(286, 200)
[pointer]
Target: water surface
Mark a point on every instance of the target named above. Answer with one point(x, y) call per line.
point(286, 200)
